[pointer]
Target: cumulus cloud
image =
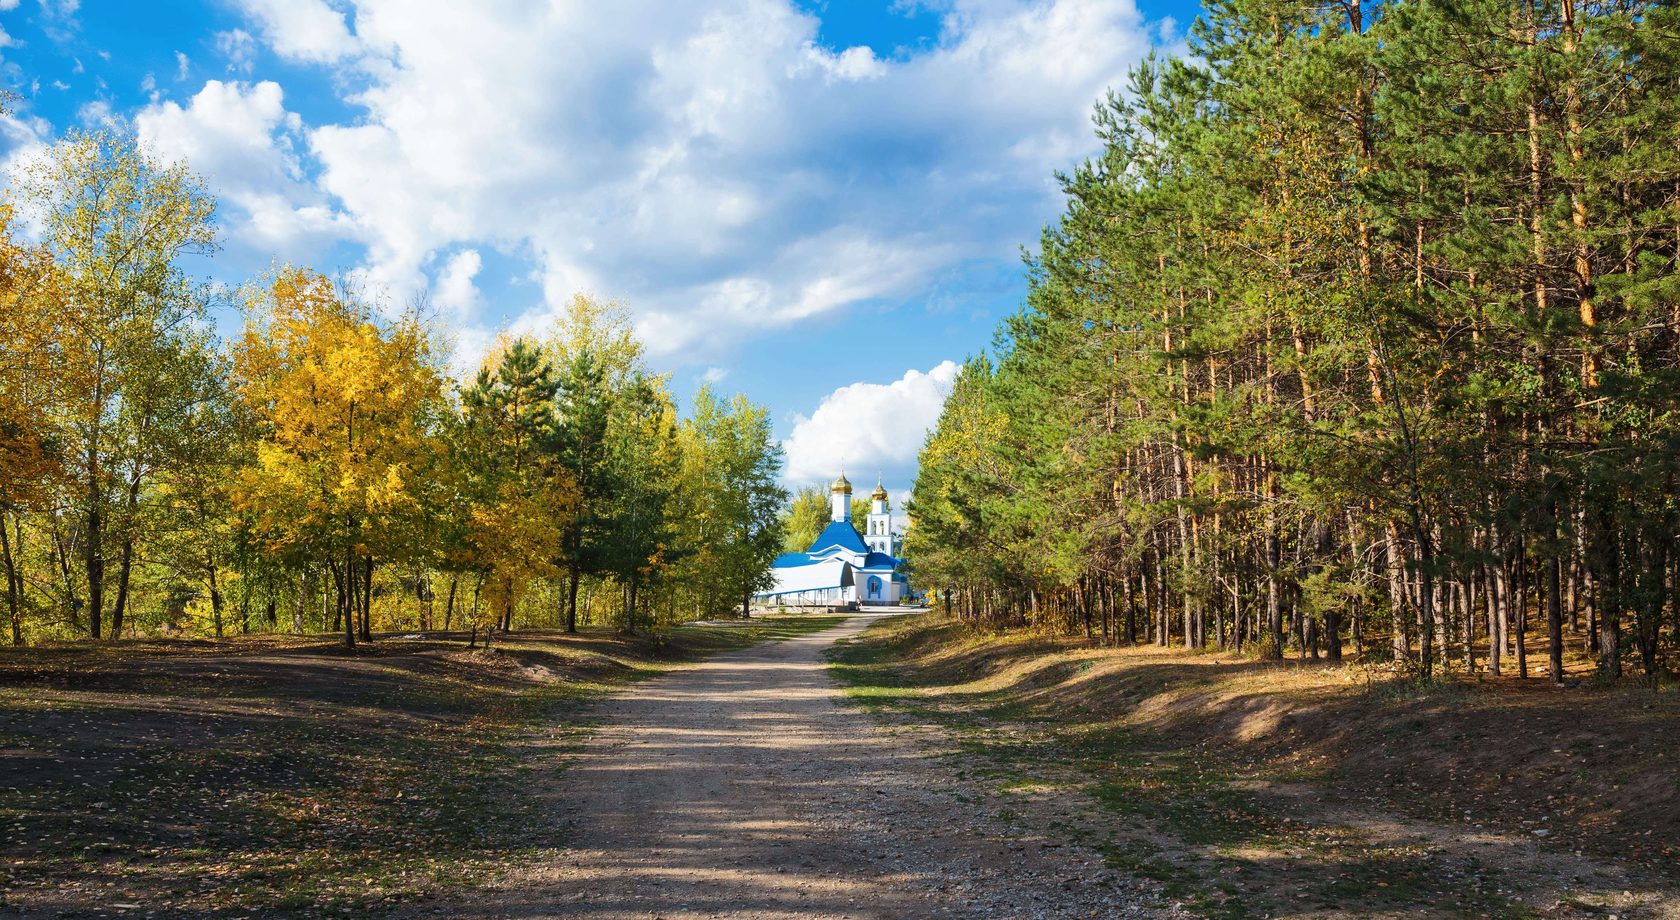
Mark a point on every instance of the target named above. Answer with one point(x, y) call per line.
point(455, 291)
point(240, 137)
point(710, 163)
point(303, 30)
point(870, 427)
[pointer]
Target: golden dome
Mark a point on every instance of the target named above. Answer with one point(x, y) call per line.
point(880, 493)
point(841, 485)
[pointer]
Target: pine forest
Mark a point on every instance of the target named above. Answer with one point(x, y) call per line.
point(1359, 337)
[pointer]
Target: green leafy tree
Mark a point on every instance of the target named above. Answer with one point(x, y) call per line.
point(642, 462)
point(117, 223)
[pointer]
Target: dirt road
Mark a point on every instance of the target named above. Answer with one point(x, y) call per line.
point(744, 788)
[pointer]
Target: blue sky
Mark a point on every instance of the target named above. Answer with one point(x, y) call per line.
point(817, 203)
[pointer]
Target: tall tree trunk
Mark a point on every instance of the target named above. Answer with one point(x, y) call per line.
point(1582, 262)
point(1426, 592)
point(1554, 600)
point(93, 552)
point(67, 578)
point(1499, 629)
point(571, 597)
point(125, 565)
point(1519, 607)
point(302, 598)
point(367, 599)
point(14, 583)
point(1490, 605)
point(1653, 558)
point(1131, 609)
point(346, 606)
point(1400, 642)
point(215, 596)
point(1469, 591)
point(1274, 602)
point(337, 597)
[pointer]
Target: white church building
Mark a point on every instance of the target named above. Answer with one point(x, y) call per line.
point(841, 567)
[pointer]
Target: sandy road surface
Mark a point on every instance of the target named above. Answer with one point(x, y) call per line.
point(744, 788)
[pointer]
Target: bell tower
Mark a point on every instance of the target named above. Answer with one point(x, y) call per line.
point(878, 534)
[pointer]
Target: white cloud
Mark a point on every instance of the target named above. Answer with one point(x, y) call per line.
point(182, 65)
point(25, 139)
point(239, 136)
point(239, 48)
point(852, 64)
point(455, 291)
point(869, 427)
point(58, 20)
point(707, 162)
point(95, 113)
point(469, 346)
point(714, 375)
point(303, 30)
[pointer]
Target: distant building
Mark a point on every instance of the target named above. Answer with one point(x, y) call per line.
point(841, 567)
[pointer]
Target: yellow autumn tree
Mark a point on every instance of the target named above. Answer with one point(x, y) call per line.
point(344, 405)
point(601, 331)
point(32, 370)
point(30, 302)
point(512, 536)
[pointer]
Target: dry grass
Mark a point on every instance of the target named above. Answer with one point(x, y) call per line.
point(1225, 761)
point(287, 776)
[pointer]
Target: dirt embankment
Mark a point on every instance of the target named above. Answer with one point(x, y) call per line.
point(1314, 789)
point(1580, 769)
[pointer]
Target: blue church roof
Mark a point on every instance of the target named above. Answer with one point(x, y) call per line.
point(841, 534)
point(844, 536)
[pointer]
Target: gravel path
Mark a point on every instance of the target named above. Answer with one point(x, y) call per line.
point(743, 788)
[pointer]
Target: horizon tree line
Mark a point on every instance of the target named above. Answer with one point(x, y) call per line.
point(322, 471)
